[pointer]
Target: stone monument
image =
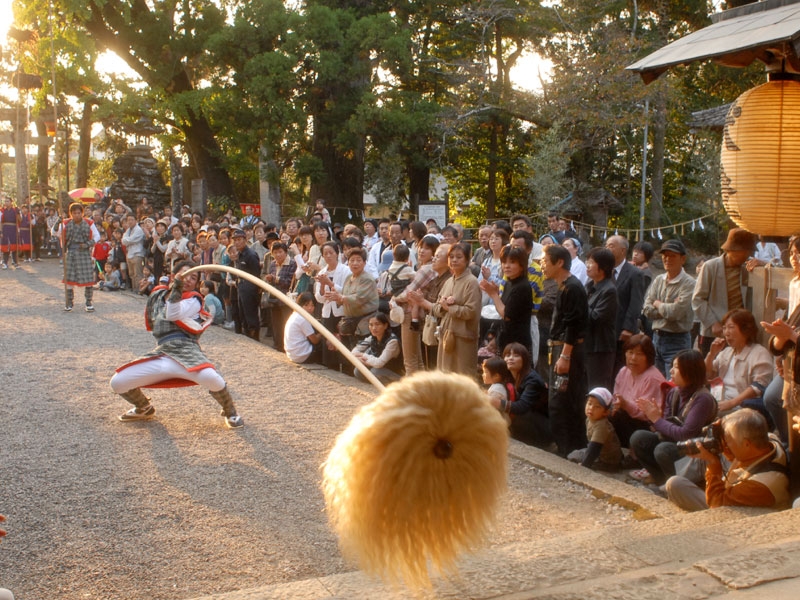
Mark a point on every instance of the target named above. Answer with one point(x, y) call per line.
point(138, 175)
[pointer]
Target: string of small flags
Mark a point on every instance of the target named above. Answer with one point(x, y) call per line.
point(660, 232)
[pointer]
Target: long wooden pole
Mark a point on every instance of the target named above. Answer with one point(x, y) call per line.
point(276, 293)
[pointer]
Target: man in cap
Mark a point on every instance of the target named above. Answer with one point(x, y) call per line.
point(668, 304)
point(722, 285)
point(176, 318)
point(79, 236)
point(249, 294)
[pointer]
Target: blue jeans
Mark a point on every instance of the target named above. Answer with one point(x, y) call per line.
point(667, 346)
point(773, 402)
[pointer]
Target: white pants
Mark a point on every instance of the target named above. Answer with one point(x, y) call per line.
point(686, 494)
point(162, 368)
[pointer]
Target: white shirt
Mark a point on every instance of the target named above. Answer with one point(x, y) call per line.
point(769, 253)
point(295, 338)
point(617, 269)
point(133, 240)
point(329, 307)
point(181, 246)
point(374, 259)
point(369, 241)
point(794, 295)
point(578, 268)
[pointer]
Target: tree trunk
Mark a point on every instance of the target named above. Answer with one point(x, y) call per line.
point(42, 161)
point(205, 154)
point(201, 143)
point(342, 185)
point(419, 179)
point(84, 146)
point(491, 172)
point(659, 146)
point(21, 157)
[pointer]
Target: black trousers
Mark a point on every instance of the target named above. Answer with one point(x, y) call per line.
point(567, 419)
point(249, 299)
point(279, 314)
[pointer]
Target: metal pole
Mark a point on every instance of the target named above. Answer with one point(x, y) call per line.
point(644, 172)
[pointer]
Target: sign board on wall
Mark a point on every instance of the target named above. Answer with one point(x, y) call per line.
point(433, 210)
point(256, 208)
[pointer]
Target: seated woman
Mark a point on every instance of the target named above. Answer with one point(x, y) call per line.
point(639, 378)
point(380, 351)
point(358, 297)
point(687, 409)
point(528, 410)
point(744, 366)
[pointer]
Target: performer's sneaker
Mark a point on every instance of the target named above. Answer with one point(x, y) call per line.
point(234, 422)
point(5, 266)
point(68, 308)
point(89, 308)
point(139, 414)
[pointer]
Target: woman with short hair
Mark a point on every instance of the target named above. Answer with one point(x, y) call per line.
point(514, 305)
point(639, 378)
point(601, 342)
point(358, 297)
point(744, 366)
point(459, 310)
point(331, 278)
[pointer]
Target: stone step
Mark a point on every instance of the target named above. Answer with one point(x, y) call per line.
point(706, 555)
point(665, 554)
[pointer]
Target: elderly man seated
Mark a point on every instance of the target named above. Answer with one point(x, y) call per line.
point(758, 474)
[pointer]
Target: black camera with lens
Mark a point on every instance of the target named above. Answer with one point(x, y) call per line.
point(711, 440)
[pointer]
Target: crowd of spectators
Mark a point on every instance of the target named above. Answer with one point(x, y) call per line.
point(605, 360)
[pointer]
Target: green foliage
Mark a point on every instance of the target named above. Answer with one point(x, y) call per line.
point(219, 205)
point(345, 96)
point(547, 166)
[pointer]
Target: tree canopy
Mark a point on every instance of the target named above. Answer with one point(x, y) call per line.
point(347, 97)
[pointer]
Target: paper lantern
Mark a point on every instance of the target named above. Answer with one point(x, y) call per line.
point(760, 159)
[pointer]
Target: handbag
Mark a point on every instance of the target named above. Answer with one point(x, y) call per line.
point(429, 331)
point(396, 314)
point(302, 284)
point(348, 325)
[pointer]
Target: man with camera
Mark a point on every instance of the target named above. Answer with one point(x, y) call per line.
point(758, 474)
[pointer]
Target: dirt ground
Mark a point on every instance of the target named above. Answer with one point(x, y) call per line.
point(179, 507)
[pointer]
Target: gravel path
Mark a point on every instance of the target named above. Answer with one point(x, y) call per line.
point(180, 507)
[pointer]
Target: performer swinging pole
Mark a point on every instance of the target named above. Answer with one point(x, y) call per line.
point(302, 312)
